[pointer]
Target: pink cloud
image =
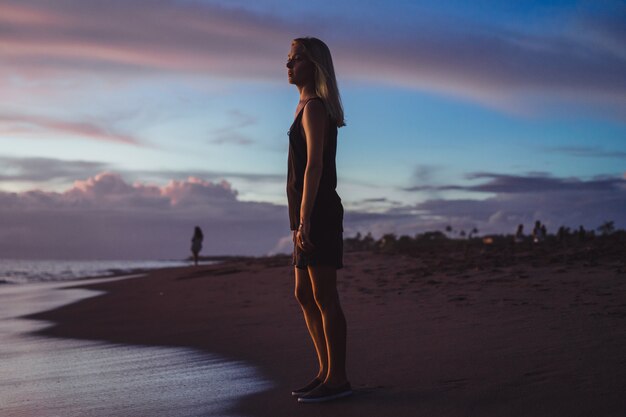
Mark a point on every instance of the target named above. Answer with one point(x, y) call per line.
point(11, 123)
point(197, 191)
point(24, 14)
point(142, 35)
point(498, 67)
point(110, 190)
point(105, 217)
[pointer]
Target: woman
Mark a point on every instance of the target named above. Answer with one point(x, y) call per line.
point(316, 214)
point(196, 244)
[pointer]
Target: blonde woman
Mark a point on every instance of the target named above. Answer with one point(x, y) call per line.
point(316, 214)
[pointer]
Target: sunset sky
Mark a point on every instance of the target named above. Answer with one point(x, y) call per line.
point(123, 124)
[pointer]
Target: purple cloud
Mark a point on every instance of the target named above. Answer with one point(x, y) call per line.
point(28, 123)
point(105, 217)
point(52, 173)
point(520, 199)
point(505, 68)
point(46, 169)
point(135, 37)
point(540, 183)
point(606, 29)
point(497, 67)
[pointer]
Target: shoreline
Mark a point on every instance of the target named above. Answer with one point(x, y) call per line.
point(20, 271)
point(426, 336)
point(72, 376)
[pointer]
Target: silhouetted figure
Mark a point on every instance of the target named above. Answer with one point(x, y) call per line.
point(519, 234)
point(196, 244)
point(538, 232)
point(582, 233)
point(316, 214)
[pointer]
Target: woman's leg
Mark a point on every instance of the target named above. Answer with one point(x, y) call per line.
point(313, 319)
point(324, 282)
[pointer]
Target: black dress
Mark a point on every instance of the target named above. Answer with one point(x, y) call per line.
point(327, 215)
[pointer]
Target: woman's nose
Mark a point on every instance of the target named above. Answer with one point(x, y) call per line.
point(289, 64)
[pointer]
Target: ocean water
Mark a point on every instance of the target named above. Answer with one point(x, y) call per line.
point(14, 271)
point(51, 377)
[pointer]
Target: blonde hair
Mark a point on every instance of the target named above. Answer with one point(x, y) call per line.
point(325, 82)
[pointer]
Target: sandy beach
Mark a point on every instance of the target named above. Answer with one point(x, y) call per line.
point(447, 332)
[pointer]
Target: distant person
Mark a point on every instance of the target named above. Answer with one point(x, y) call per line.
point(519, 234)
point(196, 244)
point(316, 214)
point(538, 232)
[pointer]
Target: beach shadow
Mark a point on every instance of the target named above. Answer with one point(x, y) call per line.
point(375, 400)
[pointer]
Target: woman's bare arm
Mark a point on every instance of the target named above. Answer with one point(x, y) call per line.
point(314, 122)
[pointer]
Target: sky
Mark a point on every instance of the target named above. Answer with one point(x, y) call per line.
point(123, 124)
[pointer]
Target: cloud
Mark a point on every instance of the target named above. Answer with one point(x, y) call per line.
point(16, 169)
point(401, 220)
point(240, 120)
point(284, 245)
point(538, 183)
point(589, 152)
point(523, 199)
point(376, 200)
point(230, 134)
point(63, 171)
point(235, 138)
point(512, 69)
point(249, 177)
point(10, 123)
point(606, 29)
point(497, 67)
point(425, 173)
point(370, 205)
point(105, 217)
point(138, 37)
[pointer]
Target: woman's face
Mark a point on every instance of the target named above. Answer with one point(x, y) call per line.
point(300, 70)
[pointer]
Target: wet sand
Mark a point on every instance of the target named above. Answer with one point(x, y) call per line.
point(50, 377)
point(443, 333)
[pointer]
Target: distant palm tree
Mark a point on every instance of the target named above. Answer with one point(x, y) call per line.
point(606, 228)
